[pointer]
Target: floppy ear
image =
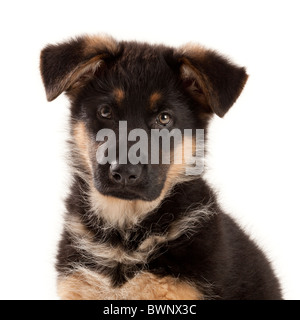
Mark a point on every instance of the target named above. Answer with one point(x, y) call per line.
point(67, 65)
point(211, 79)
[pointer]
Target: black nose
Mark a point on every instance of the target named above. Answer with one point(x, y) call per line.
point(126, 174)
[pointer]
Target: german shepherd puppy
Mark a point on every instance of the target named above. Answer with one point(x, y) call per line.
point(147, 230)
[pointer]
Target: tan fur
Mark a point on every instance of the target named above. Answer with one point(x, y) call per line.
point(88, 285)
point(193, 50)
point(154, 98)
point(75, 227)
point(82, 141)
point(99, 43)
point(183, 152)
point(120, 212)
point(119, 95)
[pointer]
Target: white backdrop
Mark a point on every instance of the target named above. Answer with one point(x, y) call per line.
point(253, 156)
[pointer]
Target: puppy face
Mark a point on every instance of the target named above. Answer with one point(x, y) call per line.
point(141, 89)
point(145, 87)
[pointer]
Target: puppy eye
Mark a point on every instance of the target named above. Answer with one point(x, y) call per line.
point(105, 112)
point(164, 119)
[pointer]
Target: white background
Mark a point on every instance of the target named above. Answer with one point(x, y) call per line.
point(253, 153)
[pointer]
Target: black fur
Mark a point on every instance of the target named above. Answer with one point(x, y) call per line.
point(216, 255)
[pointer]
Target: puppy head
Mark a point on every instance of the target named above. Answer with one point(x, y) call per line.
point(123, 86)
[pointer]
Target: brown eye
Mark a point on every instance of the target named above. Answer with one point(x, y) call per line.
point(104, 112)
point(164, 119)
